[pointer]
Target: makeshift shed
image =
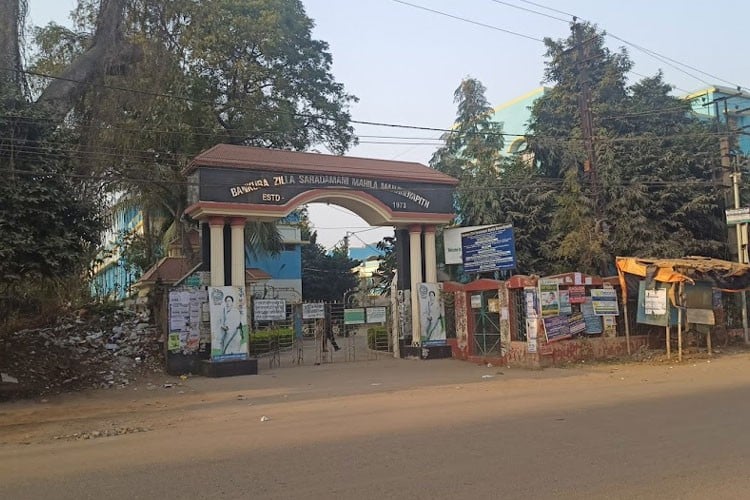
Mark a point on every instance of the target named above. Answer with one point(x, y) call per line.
point(720, 274)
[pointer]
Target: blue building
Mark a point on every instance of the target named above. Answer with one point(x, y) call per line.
point(729, 109)
point(112, 277)
point(281, 274)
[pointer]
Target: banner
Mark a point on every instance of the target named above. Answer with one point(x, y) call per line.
point(556, 328)
point(604, 301)
point(269, 310)
point(313, 310)
point(577, 294)
point(592, 321)
point(228, 323)
point(185, 319)
point(549, 294)
point(376, 315)
point(431, 314)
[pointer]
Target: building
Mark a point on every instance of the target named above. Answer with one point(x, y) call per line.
point(112, 277)
point(729, 109)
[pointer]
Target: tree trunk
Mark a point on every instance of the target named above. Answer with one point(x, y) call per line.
point(109, 53)
point(11, 78)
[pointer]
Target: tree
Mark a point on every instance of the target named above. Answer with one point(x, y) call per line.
point(326, 276)
point(174, 78)
point(473, 154)
point(650, 190)
point(494, 188)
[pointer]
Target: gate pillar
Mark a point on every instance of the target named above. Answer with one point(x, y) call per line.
point(238, 250)
point(430, 259)
point(415, 267)
point(216, 228)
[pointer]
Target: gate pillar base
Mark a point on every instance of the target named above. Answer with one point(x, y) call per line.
point(427, 352)
point(229, 368)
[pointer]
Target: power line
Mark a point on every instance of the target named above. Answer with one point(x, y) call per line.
point(470, 21)
point(656, 55)
point(530, 10)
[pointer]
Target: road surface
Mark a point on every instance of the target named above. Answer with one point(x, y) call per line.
point(393, 429)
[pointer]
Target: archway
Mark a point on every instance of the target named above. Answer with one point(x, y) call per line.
point(232, 184)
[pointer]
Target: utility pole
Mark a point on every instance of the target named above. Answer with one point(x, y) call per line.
point(583, 54)
point(741, 229)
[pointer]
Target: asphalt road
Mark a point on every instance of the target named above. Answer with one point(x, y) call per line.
point(397, 429)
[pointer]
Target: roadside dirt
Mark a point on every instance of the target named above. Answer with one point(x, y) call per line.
point(162, 402)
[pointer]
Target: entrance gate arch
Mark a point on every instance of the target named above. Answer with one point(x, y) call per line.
point(233, 184)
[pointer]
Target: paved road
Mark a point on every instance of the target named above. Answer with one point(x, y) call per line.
point(398, 429)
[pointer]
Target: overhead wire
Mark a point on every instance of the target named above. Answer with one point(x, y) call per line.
point(656, 55)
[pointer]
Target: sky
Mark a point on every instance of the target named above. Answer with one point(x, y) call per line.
point(404, 62)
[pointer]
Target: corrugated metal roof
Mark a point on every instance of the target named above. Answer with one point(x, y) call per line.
point(244, 157)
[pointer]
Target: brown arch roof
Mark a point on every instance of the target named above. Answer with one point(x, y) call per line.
point(251, 158)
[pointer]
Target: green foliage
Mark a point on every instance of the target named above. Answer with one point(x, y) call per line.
point(266, 340)
point(387, 268)
point(49, 219)
point(652, 192)
point(218, 71)
point(326, 276)
point(377, 338)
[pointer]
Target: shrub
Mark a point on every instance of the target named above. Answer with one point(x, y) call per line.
point(377, 338)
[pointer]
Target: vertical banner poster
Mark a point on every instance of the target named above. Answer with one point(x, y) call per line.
point(431, 314)
point(549, 294)
point(229, 329)
point(532, 332)
point(531, 298)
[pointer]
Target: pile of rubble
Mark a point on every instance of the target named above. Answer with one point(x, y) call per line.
point(82, 350)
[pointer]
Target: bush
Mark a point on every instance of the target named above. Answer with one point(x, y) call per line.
point(262, 341)
point(377, 338)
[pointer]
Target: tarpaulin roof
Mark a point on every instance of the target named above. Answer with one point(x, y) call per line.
point(728, 276)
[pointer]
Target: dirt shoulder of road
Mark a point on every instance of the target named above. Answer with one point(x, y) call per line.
point(164, 402)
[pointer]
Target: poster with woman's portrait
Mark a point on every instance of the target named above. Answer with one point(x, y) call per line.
point(229, 329)
point(549, 298)
point(431, 314)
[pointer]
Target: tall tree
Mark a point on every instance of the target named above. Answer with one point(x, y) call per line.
point(649, 190)
point(215, 71)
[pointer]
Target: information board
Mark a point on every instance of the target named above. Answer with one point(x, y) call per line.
point(489, 249)
point(313, 310)
point(269, 309)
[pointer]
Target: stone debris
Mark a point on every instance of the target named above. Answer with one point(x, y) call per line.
point(81, 350)
point(114, 431)
point(265, 418)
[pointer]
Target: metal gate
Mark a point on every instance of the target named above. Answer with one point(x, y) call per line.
point(329, 338)
point(486, 323)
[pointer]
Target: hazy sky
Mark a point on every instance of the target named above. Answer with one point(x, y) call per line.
point(404, 63)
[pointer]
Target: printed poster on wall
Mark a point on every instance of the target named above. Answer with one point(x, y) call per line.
point(556, 328)
point(431, 314)
point(184, 320)
point(531, 299)
point(565, 307)
point(549, 294)
point(532, 329)
point(229, 330)
point(604, 301)
point(577, 294)
point(592, 321)
point(576, 324)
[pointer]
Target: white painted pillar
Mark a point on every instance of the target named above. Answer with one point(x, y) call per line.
point(415, 267)
point(430, 258)
point(216, 230)
point(238, 250)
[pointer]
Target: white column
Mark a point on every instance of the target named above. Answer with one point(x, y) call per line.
point(216, 229)
point(238, 250)
point(415, 266)
point(430, 259)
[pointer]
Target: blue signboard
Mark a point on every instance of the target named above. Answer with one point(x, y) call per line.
point(489, 249)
